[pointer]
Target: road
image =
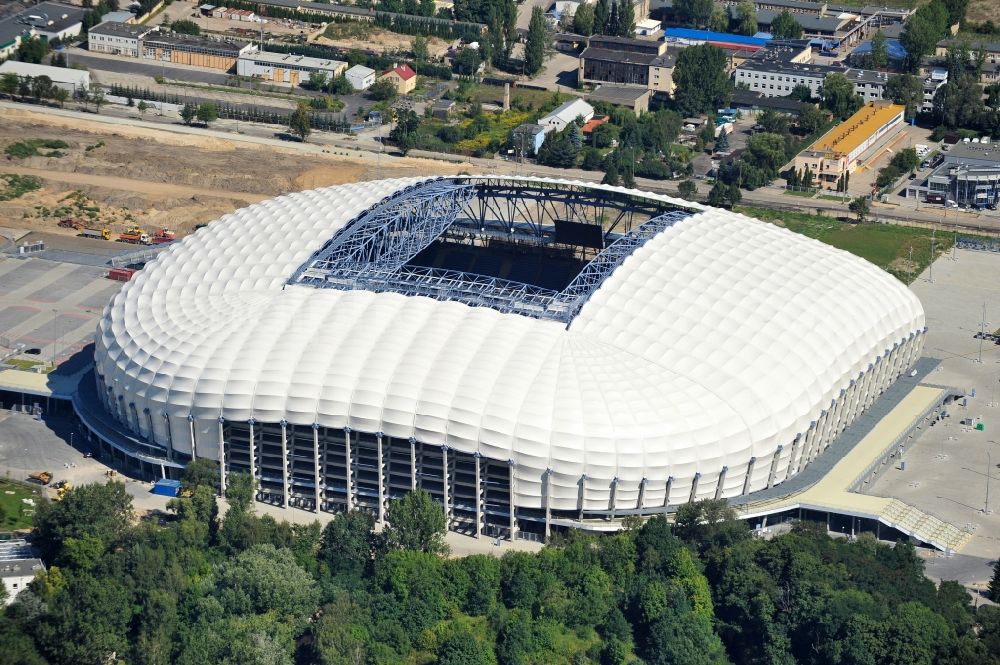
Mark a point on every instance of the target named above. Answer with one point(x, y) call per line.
point(524, 11)
point(76, 56)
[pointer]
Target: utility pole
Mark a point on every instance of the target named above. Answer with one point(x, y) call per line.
point(982, 334)
point(954, 246)
point(909, 265)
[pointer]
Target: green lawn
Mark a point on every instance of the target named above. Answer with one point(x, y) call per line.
point(885, 245)
point(15, 514)
point(804, 194)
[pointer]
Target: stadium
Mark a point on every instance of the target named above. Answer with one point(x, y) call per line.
point(535, 353)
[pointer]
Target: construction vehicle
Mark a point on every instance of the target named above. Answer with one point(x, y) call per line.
point(97, 234)
point(71, 223)
point(134, 235)
point(61, 489)
point(164, 236)
point(43, 477)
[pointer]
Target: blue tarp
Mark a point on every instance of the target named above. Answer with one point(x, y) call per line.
point(896, 50)
point(709, 36)
point(165, 487)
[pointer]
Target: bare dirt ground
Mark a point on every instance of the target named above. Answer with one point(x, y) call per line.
point(982, 10)
point(363, 36)
point(160, 179)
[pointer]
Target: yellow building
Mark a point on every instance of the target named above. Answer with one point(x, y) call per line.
point(840, 149)
point(401, 76)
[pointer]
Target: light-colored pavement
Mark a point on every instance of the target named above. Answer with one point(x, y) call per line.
point(948, 465)
point(524, 11)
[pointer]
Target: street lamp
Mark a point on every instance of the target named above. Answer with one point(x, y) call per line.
point(989, 467)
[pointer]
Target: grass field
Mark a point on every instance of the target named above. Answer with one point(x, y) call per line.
point(885, 245)
point(14, 513)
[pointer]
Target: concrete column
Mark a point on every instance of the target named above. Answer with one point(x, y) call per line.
point(253, 450)
point(149, 425)
point(413, 464)
point(642, 494)
point(445, 478)
point(222, 457)
point(774, 466)
point(581, 493)
point(194, 439)
point(170, 437)
point(694, 487)
point(666, 491)
point(347, 469)
point(611, 497)
point(746, 479)
point(722, 479)
point(284, 463)
point(547, 478)
point(379, 462)
point(510, 499)
point(479, 497)
point(796, 444)
point(317, 468)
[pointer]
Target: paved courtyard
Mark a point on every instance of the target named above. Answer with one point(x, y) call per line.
point(51, 306)
point(948, 465)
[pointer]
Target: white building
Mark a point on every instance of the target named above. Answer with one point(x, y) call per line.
point(286, 68)
point(342, 365)
point(117, 38)
point(16, 574)
point(566, 113)
point(71, 80)
point(360, 77)
point(52, 20)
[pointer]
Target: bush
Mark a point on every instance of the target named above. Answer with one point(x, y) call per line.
point(33, 147)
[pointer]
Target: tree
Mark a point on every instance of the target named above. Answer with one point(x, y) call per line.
point(464, 647)
point(684, 638)
point(880, 51)
point(719, 21)
point(558, 150)
point(96, 95)
point(201, 472)
point(317, 80)
point(602, 11)
point(298, 122)
point(575, 136)
point(923, 31)
point(801, 92)
point(701, 82)
point(207, 113)
point(583, 20)
point(693, 13)
point(839, 97)
point(188, 113)
point(611, 176)
point(348, 543)
point(722, 143)
point(611, 27)
point(404, 134)
point(382, 90)
point(860, 207)
point(41, 87)
point(416, 522)
point(101, 512)
point(906, 90)
point(185, 27)
point(32, 50)
point(746, 18)
point(784, 26)
point(265, 579)
point(419, 47)
point(9, 83)
point(626, 18)
point(994, 588)
point(466, 61)
point(534, 49)
point(959, 103)
point(687, 189)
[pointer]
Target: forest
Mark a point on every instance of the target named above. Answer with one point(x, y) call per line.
point(190, 587)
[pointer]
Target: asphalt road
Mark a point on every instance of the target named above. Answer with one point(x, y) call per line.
point(130, 66)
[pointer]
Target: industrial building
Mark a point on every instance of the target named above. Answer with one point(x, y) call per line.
point(73, 81)
point(117, 38)
point(286, 68)
point(840, 150)
point(360, 77)
point(46, 20)
point(625, 61)
point(969, 176)
point(192, 50)
point(535, 353)
point(565, 113)
point(635, 99)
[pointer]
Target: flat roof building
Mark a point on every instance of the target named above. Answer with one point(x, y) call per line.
point(360, 77)
point(117, 38)
point(839, 151)
point(624, 61)
point(70, 80)
point(286, 68)
point(192, 50)
point(52, 20)
point(634, 98)
point(968, 176)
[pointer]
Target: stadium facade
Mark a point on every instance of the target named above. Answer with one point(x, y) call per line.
point(532, 352)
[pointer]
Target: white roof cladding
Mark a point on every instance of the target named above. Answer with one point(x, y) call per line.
point(716, 341)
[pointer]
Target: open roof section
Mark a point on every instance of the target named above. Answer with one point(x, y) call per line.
point(375, 250)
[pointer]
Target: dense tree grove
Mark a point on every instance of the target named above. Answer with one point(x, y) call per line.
point(701, 80)
point(246, 589)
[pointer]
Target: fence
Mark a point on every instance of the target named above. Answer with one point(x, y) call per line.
point(978, 244)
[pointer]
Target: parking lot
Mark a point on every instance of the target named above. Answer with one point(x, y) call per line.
point(50, 307)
